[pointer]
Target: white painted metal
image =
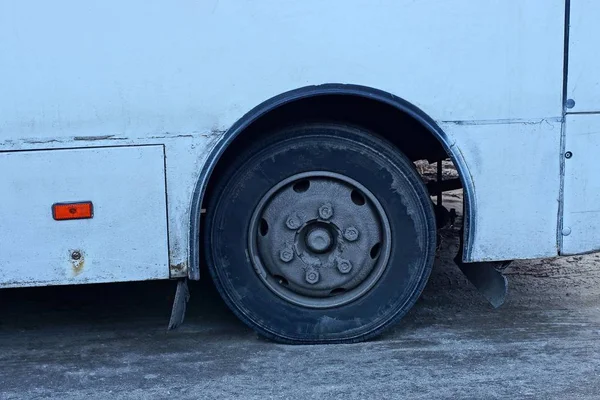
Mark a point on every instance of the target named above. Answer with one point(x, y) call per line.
point(77, 74)
point(582, 185)
point(126, 239)
point(145, 68)
point(584, 62)
point(515, 168)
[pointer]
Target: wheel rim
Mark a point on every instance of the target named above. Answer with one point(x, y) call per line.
point(319, 239)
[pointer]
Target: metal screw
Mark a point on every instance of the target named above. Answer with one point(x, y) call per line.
point(312, 277)
point(326, 211)
point(570, 103)
point(286, 255)
point(344, 266)
point(566, 231)
point(293, 222)
point(351, 234)
point(568, 154)
point(76, 255)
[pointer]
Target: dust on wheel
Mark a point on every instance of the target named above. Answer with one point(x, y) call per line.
point(319, 239)
point(320, 233)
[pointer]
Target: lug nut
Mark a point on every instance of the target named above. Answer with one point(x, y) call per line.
point(326, 211)
point(312, 277)
point(351, 234)
point(344, 266)
point(286, 255)
point(293, 222)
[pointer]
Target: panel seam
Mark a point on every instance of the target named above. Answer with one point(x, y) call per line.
point(561, 192)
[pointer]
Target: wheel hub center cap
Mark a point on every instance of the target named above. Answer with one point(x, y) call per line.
point(319, 240)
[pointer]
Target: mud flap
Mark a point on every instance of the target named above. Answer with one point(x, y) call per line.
point(182, 296)
point(490, 282)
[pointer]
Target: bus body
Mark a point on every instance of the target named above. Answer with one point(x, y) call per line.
point(129, 105)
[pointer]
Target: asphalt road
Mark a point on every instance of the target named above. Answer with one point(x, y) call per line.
point(109, 342)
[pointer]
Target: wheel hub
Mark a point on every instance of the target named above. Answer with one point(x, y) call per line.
point(319, 239)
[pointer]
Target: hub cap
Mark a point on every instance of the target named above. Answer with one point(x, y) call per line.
point(319, 239)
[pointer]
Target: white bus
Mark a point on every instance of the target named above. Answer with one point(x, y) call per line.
point(276, 140)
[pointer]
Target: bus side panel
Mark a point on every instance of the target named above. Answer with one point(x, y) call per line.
point(125, 240)
point(131, 68)
point(581, 212)
point(581, 217)
point(584, 62)
point(104, 73)
point(515, 169)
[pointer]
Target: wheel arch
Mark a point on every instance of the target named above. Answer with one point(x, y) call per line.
point(366, 95)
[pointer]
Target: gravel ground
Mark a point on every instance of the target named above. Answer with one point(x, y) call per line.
point(109, 341)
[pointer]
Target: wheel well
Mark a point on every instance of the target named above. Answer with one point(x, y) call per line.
point(401, 129)
point(398, 121)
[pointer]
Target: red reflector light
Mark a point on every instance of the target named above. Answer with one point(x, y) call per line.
point(64, 211)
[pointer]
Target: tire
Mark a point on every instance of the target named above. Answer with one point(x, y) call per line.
point(264, 266)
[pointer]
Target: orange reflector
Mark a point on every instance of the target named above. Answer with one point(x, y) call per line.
point(64, 211)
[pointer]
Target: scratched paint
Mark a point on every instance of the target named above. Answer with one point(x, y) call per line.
point(77, 260)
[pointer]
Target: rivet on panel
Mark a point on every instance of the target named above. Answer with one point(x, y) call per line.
point(570, 103)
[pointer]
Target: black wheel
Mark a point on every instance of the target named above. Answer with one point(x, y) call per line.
point(321, 233)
